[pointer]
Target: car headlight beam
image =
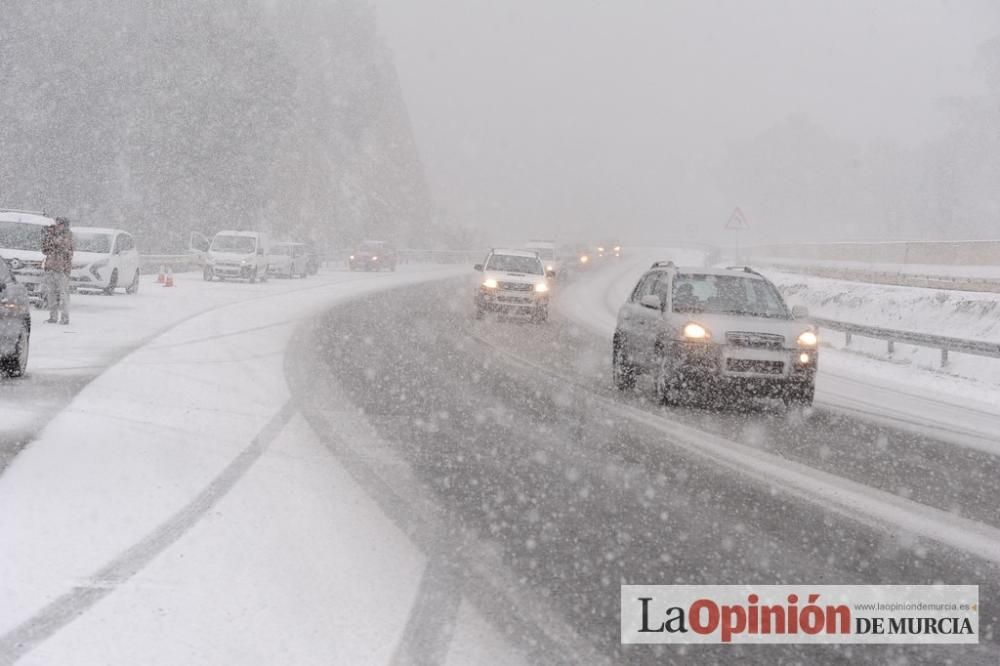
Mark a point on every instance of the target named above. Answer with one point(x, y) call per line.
point(490, 283)
point(693, 331)
point(541, 287)
point(808, 339)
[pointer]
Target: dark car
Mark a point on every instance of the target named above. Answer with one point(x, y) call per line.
point(373, 256)
point(15, 324)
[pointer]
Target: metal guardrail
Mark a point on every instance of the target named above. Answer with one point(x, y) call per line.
point(151, 263)
point(944, 343)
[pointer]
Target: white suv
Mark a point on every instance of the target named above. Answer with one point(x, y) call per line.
point(104, 260)
point(718, 330)
point(512, 281)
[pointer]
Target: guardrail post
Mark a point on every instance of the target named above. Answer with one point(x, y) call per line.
point(847, 338)
point(891, 345)
point(944, 357)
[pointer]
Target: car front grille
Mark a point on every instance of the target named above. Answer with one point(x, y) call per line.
point(755, 340)
point(755, 366)
point(516, 286)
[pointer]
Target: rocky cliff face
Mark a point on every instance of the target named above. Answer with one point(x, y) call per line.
point(165, 118)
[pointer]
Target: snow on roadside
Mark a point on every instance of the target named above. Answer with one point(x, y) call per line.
point(136, 448)
point(959, 314)
point(964, 314)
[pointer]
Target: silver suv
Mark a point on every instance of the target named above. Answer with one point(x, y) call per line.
point(714, 330)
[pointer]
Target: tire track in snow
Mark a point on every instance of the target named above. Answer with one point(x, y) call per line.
point(23, 638)
point(849, 498)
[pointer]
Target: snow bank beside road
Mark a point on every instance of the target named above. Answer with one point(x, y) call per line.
point(962, 314)
point(935, 311)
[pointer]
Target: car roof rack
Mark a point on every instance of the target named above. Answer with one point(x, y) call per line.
point(663, 264)
point(24, 212)
point(745, 269)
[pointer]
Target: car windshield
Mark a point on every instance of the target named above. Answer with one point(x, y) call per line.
point(20, 236)
point(285, 250)
point(512, 263)
point(86, 241)
point(234, 244)
point(371, 248)
point(727, 294)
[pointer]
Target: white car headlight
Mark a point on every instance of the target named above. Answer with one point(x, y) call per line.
point(808, 339)
point(490, 283)
point(541, 287)
point(693, 331)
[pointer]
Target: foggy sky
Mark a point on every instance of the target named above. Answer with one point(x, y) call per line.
point(588, 118)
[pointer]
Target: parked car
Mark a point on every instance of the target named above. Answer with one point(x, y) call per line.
point(104, 260)
point(512, 282)
point(15, 323)
point(21, 245)
point(238, 255)
point(373, 256)
point(724, 331)
point(289, 260)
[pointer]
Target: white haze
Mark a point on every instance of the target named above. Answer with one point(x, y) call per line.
point(583, 118)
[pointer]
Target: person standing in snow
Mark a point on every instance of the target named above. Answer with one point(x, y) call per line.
point(57, 246)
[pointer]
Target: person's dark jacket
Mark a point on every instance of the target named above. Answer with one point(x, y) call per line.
point(57, 246)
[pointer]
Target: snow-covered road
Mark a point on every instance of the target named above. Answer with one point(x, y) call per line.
point(352, 470)
point(157, 503)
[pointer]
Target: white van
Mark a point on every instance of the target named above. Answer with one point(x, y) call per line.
point(104, 260)
point(238, 255)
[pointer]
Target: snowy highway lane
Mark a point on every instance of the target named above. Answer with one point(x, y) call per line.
point(507, 438)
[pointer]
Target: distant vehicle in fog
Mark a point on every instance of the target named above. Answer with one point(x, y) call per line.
point(584, 258)
point(21, 245)
point(727, 331)
point(609, 250)
point(289, 260)
point(104, 260)
point(238, 255)
point(15, 323)
point(373, 256)
point(546, 251)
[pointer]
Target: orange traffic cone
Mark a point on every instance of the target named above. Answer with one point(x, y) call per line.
point(161, 278)
point(168, 280)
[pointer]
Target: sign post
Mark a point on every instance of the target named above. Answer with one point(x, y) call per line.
point(737, 222)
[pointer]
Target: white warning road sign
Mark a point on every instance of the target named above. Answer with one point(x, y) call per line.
point(737, 221)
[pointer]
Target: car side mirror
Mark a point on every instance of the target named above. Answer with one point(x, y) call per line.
point(800, 312)
point(260, 251)
point(651, 301)
point(550, 273)
point(478, 267)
